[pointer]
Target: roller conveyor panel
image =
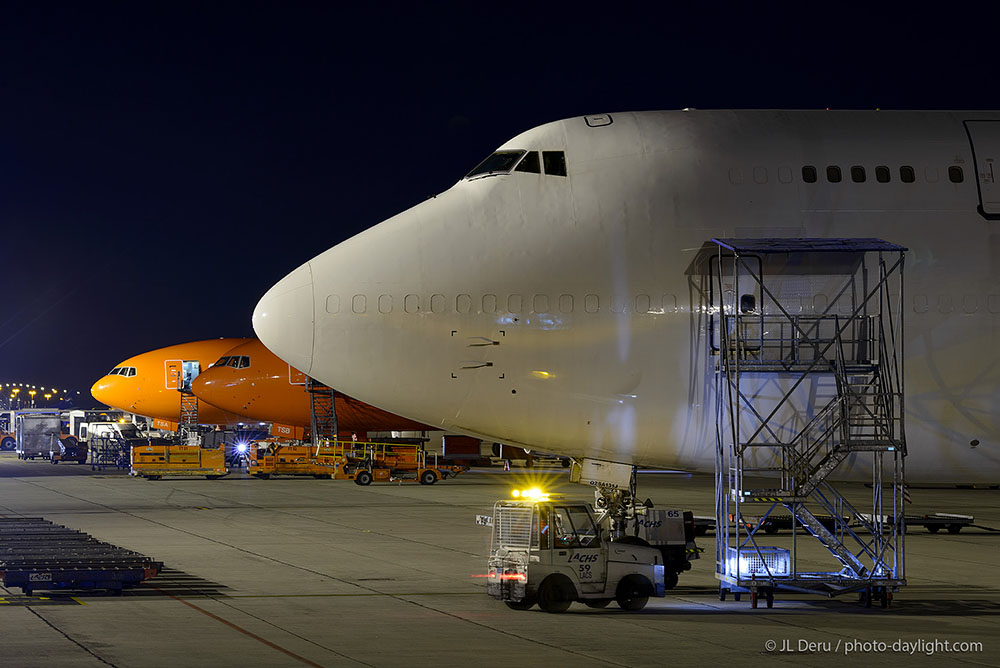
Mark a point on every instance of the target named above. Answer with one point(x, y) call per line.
point(36, 554)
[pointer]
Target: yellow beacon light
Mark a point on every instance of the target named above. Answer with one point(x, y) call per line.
point(533, 494)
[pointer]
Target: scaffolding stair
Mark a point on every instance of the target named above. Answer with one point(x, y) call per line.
point(323, 412)
point(189, 410)
point(826, 537)
point(853, 342)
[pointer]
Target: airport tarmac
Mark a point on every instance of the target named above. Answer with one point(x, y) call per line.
point(293, 572)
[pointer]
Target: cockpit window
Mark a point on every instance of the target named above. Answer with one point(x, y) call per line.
point(128, 371)
point(529, 164)
point(500, 162)
point(555, 162)
point(237, 361)
point(114, 372)
point(122, 371)
point(223, 361)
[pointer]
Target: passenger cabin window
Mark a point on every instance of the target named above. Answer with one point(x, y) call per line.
point(809, 174)
point(858, 174)
point(882, 174)
point(500, 162)
point(955, 174)
point(555, 162)
point(906, 174)
point(529, 164)
point(833, 174)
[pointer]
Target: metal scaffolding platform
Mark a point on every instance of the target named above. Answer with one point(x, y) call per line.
point(807, 334)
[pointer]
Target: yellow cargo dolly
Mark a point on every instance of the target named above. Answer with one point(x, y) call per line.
point(153, 461)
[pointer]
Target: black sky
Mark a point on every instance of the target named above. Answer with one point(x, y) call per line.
point(163, 164)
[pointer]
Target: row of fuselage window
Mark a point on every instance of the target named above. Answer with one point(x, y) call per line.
point(640, 304)
point(856, 173)
point(883, 174)
point(514, 304)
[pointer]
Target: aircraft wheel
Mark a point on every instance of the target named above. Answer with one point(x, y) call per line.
point(428, 478)
point(555, 594)
point(633, 592)
point(364, 478)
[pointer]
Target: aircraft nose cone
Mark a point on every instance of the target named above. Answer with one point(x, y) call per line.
point(107, 391)
point(202, 387)
point(283, 319)
point(99, 391)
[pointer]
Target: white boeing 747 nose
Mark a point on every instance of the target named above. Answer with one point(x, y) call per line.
point(563, 297)
point(284, 319)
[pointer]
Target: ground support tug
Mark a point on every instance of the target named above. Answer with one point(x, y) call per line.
point(554, 552)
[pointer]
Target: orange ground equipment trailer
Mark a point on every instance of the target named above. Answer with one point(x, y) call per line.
point(362, 462)
point(278, 457)
point(153, 461)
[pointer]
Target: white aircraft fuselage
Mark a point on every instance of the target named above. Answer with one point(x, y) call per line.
point(565, 313)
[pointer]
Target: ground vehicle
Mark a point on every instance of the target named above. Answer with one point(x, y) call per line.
point(362, 462)
point(670, 531)
point(8, 425)
point(553, 553)
point(38, 435)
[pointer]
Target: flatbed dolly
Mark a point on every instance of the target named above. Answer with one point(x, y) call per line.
point(36, 554)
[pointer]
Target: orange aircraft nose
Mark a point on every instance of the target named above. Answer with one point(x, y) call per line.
point(209, 388)
point(109, 391)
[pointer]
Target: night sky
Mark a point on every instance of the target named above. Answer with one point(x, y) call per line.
point(163, 164)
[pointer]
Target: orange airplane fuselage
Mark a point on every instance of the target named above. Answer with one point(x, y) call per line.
point(147, 384)
point(250, 380)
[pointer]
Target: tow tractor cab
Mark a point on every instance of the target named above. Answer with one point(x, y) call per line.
point(554, 552)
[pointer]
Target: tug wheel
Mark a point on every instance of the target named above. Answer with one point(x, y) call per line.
point(364, 478)
point(555, 594)
point(428, 478)
point(633, 592)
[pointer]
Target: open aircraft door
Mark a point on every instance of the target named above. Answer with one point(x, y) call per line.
point(985, 138)
point(179, 374)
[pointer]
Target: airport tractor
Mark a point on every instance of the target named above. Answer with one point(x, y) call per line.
point(553, 552)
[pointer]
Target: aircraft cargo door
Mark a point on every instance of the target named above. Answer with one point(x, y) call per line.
point(985, 138)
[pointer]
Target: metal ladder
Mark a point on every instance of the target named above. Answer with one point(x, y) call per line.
point(323, 423)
